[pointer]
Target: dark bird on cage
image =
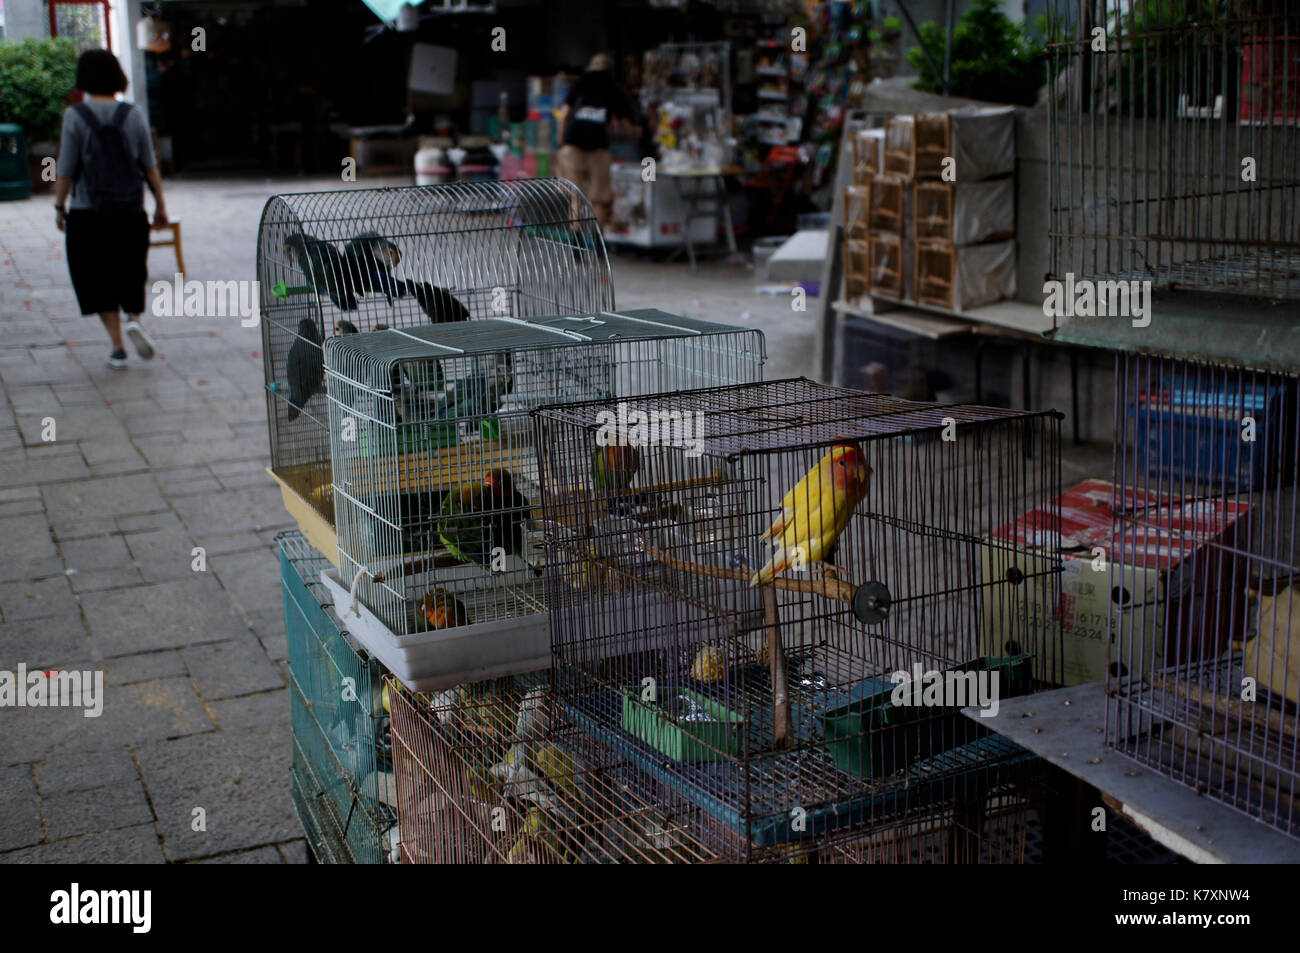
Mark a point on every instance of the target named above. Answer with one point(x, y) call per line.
point(483, 517)
point(324, 267)
point(815, 511)
point(343, 326)
point(438, 304)
point(305, 367)
point(370, 259)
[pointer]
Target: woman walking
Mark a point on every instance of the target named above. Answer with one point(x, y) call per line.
point(105, 158)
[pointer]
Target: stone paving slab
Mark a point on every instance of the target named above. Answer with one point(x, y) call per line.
point(239, 778)
point(226, 669)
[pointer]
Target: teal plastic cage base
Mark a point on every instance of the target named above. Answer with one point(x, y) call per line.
point(341, 760)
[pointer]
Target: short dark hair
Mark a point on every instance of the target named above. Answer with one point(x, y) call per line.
point(100, 74)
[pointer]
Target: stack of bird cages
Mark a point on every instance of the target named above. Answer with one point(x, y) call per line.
point(889, 247)
point(491, 773)
point(1204, 679)
point(740, 578)
point(332, 263)
point(342, 782)
point(435, 471)
point(856, 236)
point(964, 207)
point(1173, 146)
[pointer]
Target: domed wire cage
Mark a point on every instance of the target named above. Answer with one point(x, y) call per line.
point(366, 259)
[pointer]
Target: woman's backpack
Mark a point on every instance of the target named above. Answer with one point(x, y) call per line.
point(112, 176)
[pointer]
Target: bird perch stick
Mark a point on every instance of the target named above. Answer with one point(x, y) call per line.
point(782, 732)
point(1232, 709)
point(827, 586)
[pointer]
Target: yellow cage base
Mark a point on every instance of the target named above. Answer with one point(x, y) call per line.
point(312, 523)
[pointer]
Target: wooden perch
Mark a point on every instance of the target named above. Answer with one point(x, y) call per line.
point(828, 586)
point(1245, 714)
point(782, 723)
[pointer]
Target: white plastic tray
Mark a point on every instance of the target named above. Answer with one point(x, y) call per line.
point(432, 661)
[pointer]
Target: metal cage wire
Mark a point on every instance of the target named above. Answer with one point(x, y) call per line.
point(1205, 675)
point(406, 257)
point(434, 466)
point(649, 585)
point(342, 778)
point(1175, 150)
point(493, 772)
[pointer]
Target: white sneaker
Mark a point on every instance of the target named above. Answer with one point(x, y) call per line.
point(140, 339)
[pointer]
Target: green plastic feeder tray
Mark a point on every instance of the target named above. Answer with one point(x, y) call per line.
point(871, 737)
point(688, 741)
point(412, 439)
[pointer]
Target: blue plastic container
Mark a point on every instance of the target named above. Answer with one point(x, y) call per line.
point(1195, 434)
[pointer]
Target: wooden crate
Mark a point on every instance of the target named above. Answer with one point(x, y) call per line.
point(961, 277)
point(857, 211)
point(900, 154)
point(931, 144)
point(890, 266)
point(888, 204)
point(964, 213)
point(857, 268)
point(868, 155)
point(981, 141)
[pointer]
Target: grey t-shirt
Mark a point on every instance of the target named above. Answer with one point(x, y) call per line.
point(74, 148)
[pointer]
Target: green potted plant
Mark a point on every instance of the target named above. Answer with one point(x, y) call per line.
point(993, 58)
point(36, 78)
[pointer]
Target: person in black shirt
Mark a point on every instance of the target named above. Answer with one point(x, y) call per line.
point(593, 101)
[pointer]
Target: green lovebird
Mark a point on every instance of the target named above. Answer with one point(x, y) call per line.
point(480, 516)
point(614, 467)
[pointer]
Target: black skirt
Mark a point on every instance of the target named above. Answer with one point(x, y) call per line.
point(107, 259)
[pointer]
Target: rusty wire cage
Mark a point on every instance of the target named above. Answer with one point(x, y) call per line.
point(1174, 130)
point(765, 690)
point(363, 259)
point(490, 772)
point(1204, 673)
point(435, 471)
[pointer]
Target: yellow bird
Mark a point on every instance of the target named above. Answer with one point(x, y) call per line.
point(807, 528)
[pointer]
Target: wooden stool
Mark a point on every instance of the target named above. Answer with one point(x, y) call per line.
point(175, 229)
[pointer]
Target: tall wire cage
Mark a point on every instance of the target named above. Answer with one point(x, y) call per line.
point(1174, 134)
point(346, 261)
point(741, 578)
point(342, 769)
point(1204, 674)
point(435, 470)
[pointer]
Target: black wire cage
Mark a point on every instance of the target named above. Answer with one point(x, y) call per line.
point(750, 587)
point(1204, 678)
point(1174, 133)
point(346, 261)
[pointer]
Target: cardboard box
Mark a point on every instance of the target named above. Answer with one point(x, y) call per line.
point(1178, 594)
